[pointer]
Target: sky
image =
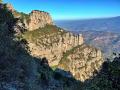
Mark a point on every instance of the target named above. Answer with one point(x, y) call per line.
point(70, 9)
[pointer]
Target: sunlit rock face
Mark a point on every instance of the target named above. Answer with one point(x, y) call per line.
point(38, 19)
point(55, 45)
point(32, 21)
point(63, 49)
point(83, 62)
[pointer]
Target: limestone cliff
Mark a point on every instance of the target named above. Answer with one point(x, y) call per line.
point(35, 20)
point(82, 61)
point(65, 50)
point(32, 21)
point(61, 48)
point(52, 45)
point(76, 61)
point(38, 19)
point(18, 69)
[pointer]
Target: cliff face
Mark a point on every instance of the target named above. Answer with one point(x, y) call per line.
point(36, 19)
point(32, 21)
point(49, 41)
point(66, 51)
point(53, 45)
point(22, 47)
point(82, 61)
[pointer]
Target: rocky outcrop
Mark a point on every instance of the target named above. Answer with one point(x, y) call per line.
point(54, 46)
point(18, 69)
point(82, 61)
point(32, 21)
point(63, 49)
point(38, 19)
point(68, 52)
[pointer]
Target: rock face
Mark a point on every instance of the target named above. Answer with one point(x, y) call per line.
point(32, 21)
point(66, 51)
point(54, 46)
point(83, 62)
point(18, 69)
point(38, 19)
point(62, 49)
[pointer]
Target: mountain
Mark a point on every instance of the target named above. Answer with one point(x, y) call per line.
point(37, 55)
point(108, 42)
point(101, 24)
point(101, 33)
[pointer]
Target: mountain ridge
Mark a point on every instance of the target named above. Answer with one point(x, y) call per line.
point(49, 41)
point(20, 70)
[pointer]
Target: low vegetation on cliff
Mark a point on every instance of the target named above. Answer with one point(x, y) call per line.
point(46, 32)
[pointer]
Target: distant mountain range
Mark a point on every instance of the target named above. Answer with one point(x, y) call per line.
point(102, 33)
point(100, 24)
point(108, 42)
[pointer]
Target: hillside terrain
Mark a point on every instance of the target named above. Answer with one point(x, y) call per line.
point(37, 55)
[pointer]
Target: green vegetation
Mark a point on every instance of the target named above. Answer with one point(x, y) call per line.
point(26, 72)
point(65, 60)
point(5, 15)
point(1, 1)
point(22, 16)
point(108, 78)
point(54, 67)
point(48, 32)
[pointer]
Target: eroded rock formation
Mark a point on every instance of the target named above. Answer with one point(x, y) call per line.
point(83, 62)
point(61, 48)
point(55, 45)
point(32, 21)
point(38, 19)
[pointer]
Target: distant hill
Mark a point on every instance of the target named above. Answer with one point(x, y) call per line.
point(102, 33)
point(100, 24)
point(108, 42)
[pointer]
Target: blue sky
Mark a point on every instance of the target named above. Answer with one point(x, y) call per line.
point(70, 9)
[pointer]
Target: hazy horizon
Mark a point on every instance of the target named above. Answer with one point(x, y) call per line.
point(86, 18)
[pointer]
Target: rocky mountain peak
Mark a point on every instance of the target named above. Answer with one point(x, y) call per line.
point(38, 19)
point(38, 44)
point(32, 21)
